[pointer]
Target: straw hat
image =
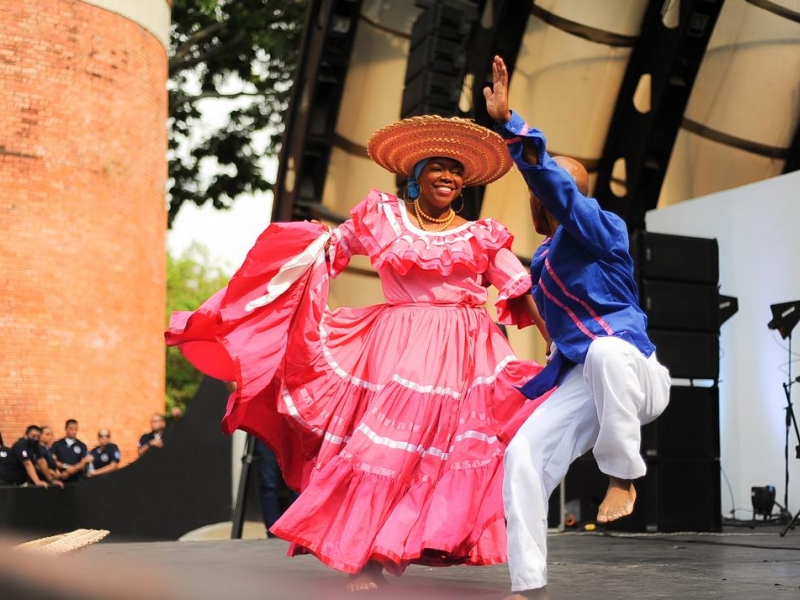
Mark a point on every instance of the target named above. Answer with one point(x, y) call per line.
point(65, 542)
point(400, 146)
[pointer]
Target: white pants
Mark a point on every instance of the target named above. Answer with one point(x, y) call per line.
point(602, 404)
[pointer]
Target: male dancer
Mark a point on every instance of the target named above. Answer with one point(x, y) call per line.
point(609, 380)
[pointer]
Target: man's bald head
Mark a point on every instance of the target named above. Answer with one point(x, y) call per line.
point(577, 170)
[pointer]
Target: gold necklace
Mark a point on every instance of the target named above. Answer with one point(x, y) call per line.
point(422, 216)
point(421, 220)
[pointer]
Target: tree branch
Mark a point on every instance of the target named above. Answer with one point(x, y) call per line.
point(185, 98)
point(195, 39)
point(191, 62)
point(202, 35)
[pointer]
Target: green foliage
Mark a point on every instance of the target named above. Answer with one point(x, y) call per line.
point(191, 280)
point(244, 51)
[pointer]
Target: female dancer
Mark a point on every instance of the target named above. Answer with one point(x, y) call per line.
point(392, 419)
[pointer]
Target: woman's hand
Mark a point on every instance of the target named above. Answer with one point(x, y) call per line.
point(330, 232)
point(551, 349)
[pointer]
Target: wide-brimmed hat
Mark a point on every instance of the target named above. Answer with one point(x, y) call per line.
point(400, 146)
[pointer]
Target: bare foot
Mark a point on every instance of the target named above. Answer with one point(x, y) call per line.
point(368, 580)
point(537, 594)
point(618, 502)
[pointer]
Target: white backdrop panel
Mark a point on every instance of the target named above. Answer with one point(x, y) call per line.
point(758, 230)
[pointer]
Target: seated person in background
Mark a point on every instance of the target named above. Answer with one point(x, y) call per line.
point(105, 456)
point(154, 439)
point(18, 467)
point(46, 463)
point(72, 455)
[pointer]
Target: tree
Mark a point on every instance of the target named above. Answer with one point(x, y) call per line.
point(190, 281)
point(242, 51)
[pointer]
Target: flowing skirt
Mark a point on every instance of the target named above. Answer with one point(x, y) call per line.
point(391, 419)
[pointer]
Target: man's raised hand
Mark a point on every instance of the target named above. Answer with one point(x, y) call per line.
point(497, 95)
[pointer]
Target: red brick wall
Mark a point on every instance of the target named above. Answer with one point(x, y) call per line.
point(82, 220)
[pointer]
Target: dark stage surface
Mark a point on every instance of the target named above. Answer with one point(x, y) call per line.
point(739, 564)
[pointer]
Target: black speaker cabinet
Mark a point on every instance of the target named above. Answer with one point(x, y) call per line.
point(687, 354)
point(584, 489)
point(679, 305)
point(675, 257)
point(675, 495)
point(687, 429)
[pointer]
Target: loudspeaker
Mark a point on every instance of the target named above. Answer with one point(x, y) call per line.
point(687, 429)
point(675, 257)
point(436, 60)
point(430, 93)
point(687, 354)
point(584, 489)
point(433, 53)
point(679, 305)
point(677, 495)
point(674, 495)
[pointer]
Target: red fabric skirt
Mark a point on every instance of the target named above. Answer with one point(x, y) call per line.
point(391, 420)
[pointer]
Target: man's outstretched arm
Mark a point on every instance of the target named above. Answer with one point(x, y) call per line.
point(498, 108)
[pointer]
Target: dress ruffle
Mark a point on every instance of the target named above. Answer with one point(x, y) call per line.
point(511, 306)
point(468, 246)
point(391, 419)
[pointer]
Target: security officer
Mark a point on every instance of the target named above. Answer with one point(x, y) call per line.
point(3, 449)
point(19, 466)
point(105, 456)
point(72, 455)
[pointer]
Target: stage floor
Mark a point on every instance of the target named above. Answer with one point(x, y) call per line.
point(738, 564)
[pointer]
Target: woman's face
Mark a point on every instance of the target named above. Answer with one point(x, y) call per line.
point(441, 182)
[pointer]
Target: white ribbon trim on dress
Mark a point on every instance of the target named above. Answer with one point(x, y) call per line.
point(291, 271)
point(417, 387)
point(388, 442)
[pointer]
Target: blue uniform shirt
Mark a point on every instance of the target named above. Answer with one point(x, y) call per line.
point(69, 454)
point(12, 469)
point(147, 438)
point(104, 456)
point(47, 455)
point(583, 281)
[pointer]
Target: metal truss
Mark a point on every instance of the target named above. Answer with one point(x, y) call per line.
point(640, 140)
point(324, 58)
point(500, 32)
point(793, 153)
point(329, 33)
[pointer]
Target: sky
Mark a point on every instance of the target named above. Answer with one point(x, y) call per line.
point(227, 234)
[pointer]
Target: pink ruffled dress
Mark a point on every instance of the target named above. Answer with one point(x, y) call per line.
point(392, 419)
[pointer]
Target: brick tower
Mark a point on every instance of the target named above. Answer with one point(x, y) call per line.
point(82, 215)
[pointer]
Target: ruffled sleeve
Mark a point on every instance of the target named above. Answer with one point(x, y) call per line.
point(344, 245)
point(513, 281)
point(388, 240)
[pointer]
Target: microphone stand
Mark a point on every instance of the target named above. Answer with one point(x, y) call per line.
point(785, 315)
point(239, 510)
point(790, 420)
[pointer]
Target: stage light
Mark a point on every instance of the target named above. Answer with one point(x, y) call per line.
point(763, 499)
point(785, 316)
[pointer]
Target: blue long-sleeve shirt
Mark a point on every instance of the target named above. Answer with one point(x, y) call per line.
point(583, 281)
